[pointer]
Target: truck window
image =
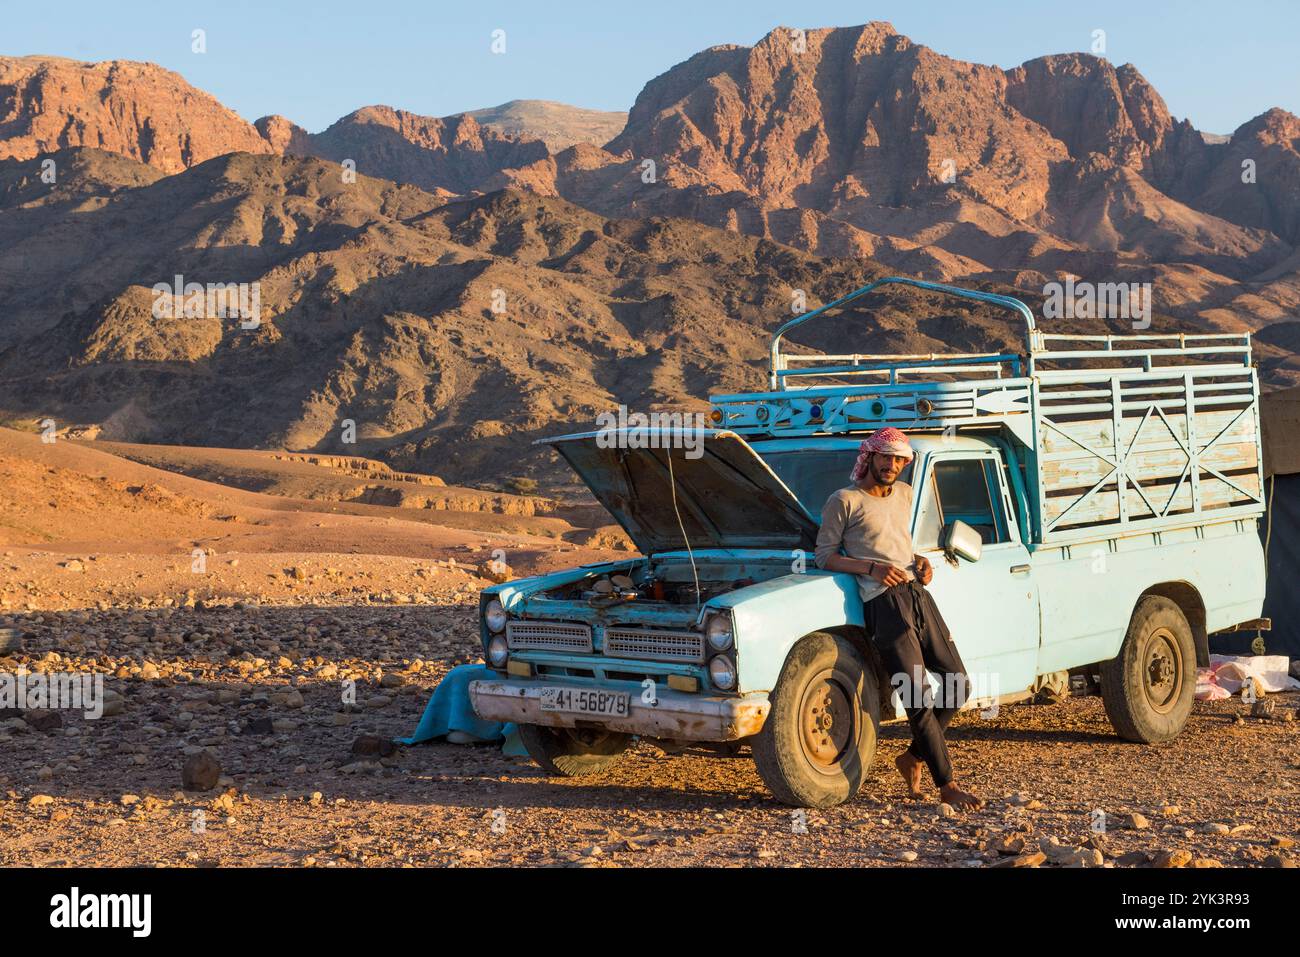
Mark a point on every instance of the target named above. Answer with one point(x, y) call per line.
point(814, 474)
point(965, 490)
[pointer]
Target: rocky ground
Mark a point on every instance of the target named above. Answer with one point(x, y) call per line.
point(227, 742)
point(259, 653)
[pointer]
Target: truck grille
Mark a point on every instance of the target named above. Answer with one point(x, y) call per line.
point(657, 645)
point(572, 636)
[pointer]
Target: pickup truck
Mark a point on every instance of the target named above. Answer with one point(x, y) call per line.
point(1095, 497)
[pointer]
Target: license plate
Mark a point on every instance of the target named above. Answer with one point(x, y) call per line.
point(606, 704)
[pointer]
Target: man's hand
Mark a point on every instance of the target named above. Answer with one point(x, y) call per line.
point(924, 570)
point(888, 575)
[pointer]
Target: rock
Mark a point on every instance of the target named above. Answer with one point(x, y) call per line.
point(45, 721)
point(1168, 859)
point(73, 565)
point(1132, 859)
point(39, 800)
point(368, 745)
point(1032, 859)
point(374, 702)
point(298, 573)
point(1134, 822)
point(1205, 862)
point(1280, 841)
point(392, 680)
point(1213, 827)
point(1008, 844)
point(113, 704)
point(291, 698)
point(947, 810)
point(200, 772)
point(495, 571)
point(908, 856)
point(10, 641)
point(1169, 810)
point(284, 726)
point(1263, 708)
point(259, 726)
point(1279, 860)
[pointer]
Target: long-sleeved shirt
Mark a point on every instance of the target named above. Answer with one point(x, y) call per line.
point(871, 527)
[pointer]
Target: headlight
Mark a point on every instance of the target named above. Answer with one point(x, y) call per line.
point(497, 652)
point(494, 615)
point(722, 673)
point(718, 632)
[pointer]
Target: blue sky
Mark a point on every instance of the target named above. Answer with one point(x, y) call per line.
point(1217, 64)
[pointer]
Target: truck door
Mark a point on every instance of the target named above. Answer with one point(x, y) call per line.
point(991, 605)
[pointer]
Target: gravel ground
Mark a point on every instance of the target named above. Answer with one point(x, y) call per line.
point(305, 781)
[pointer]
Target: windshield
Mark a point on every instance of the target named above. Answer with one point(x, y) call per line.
point(813, 474)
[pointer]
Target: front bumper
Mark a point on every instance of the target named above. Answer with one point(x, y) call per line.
point(675, 715)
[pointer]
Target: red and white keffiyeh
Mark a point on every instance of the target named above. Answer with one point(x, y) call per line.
point(886, 441)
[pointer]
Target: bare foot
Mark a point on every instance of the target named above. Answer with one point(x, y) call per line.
point(910, 768)
point(951, 794)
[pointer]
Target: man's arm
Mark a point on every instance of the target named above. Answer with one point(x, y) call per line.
point(831, 537)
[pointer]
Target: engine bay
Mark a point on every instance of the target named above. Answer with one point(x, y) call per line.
point(669, 581)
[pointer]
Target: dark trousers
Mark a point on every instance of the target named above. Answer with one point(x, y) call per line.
point(909, 633)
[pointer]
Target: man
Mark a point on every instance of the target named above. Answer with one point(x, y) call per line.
point(870, 521)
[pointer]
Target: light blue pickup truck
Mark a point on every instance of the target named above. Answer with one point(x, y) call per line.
point(1095, 499)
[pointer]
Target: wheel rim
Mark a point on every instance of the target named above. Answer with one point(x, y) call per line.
point(1163, 670)
point(829, 720)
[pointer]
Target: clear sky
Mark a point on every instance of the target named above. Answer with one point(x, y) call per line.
point(1216, 63)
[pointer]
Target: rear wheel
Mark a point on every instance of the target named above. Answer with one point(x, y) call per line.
point(820, 735)
point(1147, 688)
point(573, 752)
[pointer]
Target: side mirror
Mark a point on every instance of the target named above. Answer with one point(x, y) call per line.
point(961, 540)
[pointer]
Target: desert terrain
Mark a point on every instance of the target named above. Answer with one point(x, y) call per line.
point(302, 589)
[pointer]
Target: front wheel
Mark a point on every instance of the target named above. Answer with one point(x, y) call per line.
point(573, 752)
point(1147, 688)
point(820, 735)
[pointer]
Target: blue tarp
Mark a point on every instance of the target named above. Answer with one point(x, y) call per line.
point(449, 710)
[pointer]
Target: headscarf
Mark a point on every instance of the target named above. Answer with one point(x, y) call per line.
point(886, 441)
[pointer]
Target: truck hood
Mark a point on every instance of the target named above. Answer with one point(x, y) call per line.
point(726, 496)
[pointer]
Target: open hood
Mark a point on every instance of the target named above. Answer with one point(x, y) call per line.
point(727, 496)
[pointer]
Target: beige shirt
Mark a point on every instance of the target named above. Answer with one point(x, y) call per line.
point(870, 527)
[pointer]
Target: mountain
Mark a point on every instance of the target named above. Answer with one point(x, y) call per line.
point(858, 142)
point(558, 125)
point(377, 304)
point(455, 154)
point(135, 109)
point(470, 290)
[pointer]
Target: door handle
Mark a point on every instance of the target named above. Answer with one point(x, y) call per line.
point(1019, 569)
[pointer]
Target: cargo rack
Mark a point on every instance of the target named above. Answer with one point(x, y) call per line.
point(1149, 430)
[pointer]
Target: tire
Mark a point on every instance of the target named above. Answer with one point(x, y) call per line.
point(1147, 688)
point(803, 760)
point(573, 752)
